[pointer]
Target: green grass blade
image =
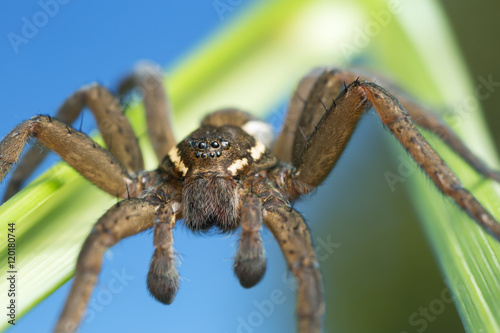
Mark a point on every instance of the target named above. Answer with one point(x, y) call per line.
point(468, 257)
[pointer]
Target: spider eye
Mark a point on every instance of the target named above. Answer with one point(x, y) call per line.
point(204, 155)
point(225, 144)
point(202, 145)
point(218, 153)
point(215, 144)
point(197, 154)
point(193, 144)
point(212, 155)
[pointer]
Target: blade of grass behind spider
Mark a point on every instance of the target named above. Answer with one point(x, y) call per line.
point(467, 255)
point(54, 214)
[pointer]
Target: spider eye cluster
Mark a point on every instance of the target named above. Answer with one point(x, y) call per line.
point(205, 148)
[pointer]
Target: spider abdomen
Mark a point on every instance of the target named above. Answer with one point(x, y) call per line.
point(210, 202)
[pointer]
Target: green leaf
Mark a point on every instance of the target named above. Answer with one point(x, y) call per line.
point(467, 255)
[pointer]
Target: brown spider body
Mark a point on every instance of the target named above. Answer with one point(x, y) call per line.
point(212, 164)
point(211, 169)
point(227, 175)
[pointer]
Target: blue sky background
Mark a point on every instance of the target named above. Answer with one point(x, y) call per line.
point(101, 41)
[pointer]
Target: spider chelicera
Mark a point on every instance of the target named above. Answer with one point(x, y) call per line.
point(228, 174)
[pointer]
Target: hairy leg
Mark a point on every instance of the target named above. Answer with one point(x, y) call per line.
point(313, 98)
point(250, 261)
point(149, 81)
point(284, 143)
point(78, 150)
point(426, 119)
point(430, 121)
point(399, 123)
point(117, 133)
point(124, 219)
point(163, 279)
point(307, 105)
point(290, 230)
point(328, 140)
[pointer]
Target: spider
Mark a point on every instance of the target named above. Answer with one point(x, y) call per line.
point(227, 174)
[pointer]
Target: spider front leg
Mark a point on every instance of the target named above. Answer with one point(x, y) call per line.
point(320, 151)
point(291, 232)
point(292, 235)
point(117, 133)
point(284, 147)
point(322, 85)
point(124, 219)
point(78, 150)
point(430, 121)
point(399, 123)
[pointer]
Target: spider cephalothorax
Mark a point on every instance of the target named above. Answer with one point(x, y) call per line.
point(212, 164)
point(227, 175)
